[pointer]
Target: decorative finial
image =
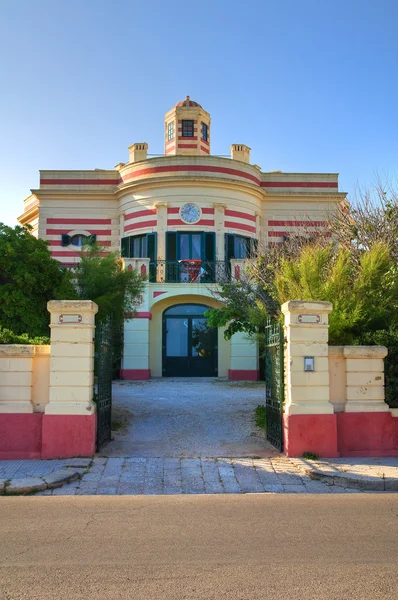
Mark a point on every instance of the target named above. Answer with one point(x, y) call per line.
point(188, 98)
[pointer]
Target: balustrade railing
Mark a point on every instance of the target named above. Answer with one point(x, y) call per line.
point(185, 271)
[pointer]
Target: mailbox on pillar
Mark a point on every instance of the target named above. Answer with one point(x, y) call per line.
point(309, 363)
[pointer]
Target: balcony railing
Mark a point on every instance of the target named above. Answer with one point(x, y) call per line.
point(166, 271)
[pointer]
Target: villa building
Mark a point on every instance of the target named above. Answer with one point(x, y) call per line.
point(186, 220)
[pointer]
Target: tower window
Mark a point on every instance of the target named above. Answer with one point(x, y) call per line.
point(187, 128)
point(170, 131)
point(205, 132)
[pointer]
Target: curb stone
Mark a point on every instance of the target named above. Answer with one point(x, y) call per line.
point(354, 481)
point(29, 485)
point(25, 485)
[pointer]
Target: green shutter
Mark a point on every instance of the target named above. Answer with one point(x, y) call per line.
point(248, 247)
point(209, 253)
point(171, 245)
point(229, 246)
point(150, 250)
point(125, 247)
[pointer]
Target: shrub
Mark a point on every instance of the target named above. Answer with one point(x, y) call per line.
point(9, 337)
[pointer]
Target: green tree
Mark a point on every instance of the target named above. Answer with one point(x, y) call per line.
point(29, 278)
point(103, 280)
point(117, 291)
point(364, 292)
point(246, 307)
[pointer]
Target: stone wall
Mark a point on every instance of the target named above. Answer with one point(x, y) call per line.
point(338, 409)
point(46, 392)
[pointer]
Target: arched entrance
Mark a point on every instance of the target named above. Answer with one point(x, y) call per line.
point(189, 344)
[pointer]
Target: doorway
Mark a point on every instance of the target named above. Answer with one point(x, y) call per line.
point(189, 344)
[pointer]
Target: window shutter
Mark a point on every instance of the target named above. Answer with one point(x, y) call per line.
point(249, 246)
point(150, 250)
point(229, 246)
point(93, 238)
point(171, 245)
point(65, 240)
point(125, 247)
point(209, 253)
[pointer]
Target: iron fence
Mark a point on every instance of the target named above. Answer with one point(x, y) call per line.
point(180, 271)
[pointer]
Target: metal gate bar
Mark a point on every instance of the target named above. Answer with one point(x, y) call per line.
point(274, 383)
point(103, 369)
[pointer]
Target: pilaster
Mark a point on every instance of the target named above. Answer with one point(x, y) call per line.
point(309, 422)
point(72, 357)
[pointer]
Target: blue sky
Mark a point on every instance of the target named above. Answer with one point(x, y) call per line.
point(309, 85)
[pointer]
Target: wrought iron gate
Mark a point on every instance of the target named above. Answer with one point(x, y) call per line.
point(274, 383)
point(103, 371)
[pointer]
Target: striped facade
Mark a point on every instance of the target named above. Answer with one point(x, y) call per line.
point(139, 207)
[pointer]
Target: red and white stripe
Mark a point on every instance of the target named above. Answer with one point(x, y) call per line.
point(56, 227)
point(242, 222)
point(279, 229)
point(139, 219)
point(296, 183)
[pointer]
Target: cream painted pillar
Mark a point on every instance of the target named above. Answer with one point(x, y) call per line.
point(365, 379)
point(41, 378)
point(309, 422)
point(72, 357)
point(220, 230)
point(337, 378)
point(244, 358)
point(306, 327)
point(161, 229)
point(258, 227)
point(16, 367)
point(135, 362)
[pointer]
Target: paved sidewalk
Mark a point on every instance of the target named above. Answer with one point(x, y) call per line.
point(150, 476)
point(376, 474)
point(30, 476)
point(157, 476)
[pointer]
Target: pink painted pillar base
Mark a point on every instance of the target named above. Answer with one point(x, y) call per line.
point(135, 374)
point(243, 375)
point(367, 434)
point(310, 433)
point(20, 435)
point(64, 436)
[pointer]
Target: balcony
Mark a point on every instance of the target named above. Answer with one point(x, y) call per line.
point(186, 271)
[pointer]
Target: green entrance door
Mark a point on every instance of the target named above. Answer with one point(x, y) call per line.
point(189, 344)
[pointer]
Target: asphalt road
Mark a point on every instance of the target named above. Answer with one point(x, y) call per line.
point(236, 547)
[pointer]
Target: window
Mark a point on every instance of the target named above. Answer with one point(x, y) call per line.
point(238, 246)
point(170, 131)
point(187, 128)
point(139, 246)
point(205, 132)
point(190, 245)
point(78, 239)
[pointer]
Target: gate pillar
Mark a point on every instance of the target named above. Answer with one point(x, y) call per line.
point(309, 421)
point(135, 361)
point(69, 422)
point(243, 358)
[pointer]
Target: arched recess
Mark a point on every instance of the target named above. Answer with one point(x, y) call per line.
point(156, 333)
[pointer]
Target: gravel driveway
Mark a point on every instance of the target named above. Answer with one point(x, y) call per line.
point(186, 418)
